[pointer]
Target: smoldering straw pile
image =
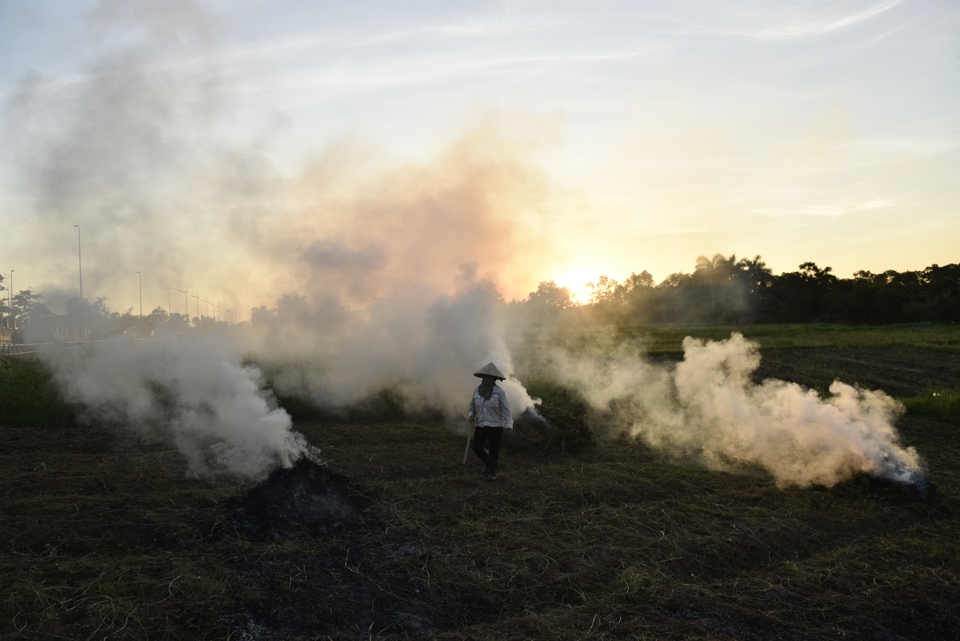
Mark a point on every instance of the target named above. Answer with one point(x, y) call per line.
point(307, 494)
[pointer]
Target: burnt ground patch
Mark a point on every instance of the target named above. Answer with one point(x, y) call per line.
point(308, 495)
point(352, 586)
point(355, 589)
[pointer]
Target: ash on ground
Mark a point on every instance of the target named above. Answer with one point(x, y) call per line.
point(307, 494)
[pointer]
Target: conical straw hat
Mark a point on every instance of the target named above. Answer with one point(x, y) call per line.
point(490, 370)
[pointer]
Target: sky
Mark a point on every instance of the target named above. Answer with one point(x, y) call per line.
point(233, 152)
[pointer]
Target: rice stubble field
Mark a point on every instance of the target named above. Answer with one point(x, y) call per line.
point(587, 534)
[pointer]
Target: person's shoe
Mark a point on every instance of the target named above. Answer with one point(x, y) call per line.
point(491, 476)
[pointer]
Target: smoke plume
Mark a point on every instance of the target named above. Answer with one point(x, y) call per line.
point(193, 394)
point(362, 273)
point(709, 407)
point(419, 344)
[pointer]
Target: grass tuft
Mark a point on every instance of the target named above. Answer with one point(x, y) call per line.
point(940, 404)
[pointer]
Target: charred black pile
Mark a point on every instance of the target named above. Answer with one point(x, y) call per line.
point(308, 494)
point(358, 587)
point(893, 491)
point(917, 488)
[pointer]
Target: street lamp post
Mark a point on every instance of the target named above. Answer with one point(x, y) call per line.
point(197, 296)
point(79, 261)
point(168, 302)
point(186, 304)
point(140, 279)
point(11, 297)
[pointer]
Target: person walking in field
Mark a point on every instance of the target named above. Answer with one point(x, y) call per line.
point(490, 414)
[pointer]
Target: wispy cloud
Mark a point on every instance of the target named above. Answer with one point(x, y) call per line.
point(820, 26)
point(828, 210)
point(425, 68)
point(911, 147)
point(352, 39)
point(674, 231)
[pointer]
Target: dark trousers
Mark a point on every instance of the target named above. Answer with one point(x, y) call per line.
point(480, 437)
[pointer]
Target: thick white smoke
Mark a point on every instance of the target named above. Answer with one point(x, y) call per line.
point(363, 272)
point(194, 394)
point(708, 406)
point(422, 344)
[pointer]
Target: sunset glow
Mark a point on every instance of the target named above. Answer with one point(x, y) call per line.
point(314, 149)
point(577, 281)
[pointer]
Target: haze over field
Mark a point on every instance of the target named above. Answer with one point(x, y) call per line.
point(372, 179)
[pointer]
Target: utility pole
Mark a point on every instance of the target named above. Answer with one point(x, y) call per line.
point(80, 261)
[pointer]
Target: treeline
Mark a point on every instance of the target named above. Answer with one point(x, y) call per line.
point(731, 291)
point(721, 290)
point(24, 318)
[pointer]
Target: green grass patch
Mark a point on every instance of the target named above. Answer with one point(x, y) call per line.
point(940, 404)
point(668, 339)
point(29, 396)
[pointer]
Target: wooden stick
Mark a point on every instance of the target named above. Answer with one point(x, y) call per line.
point(466, 449)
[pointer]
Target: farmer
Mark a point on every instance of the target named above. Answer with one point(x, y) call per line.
point(490, 414)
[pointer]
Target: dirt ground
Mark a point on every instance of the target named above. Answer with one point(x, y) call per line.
point(102, 535)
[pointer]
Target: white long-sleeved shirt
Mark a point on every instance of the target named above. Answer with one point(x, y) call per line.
point(490, 413)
